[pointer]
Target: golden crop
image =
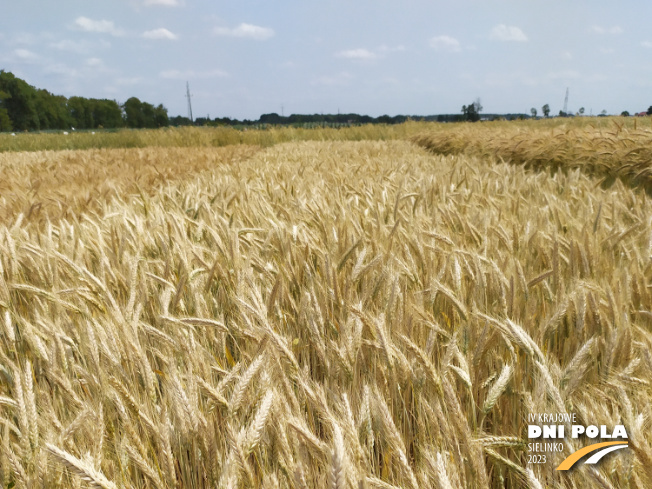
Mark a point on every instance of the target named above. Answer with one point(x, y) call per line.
point(53, 185)
point(196, 137)
point(318, 314)
point(607, 153)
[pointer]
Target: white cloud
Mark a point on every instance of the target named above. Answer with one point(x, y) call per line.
point(25, 54)
point(340, 79)
point(445, 43)
point(25, 38)
point(566, 55)
point(246, 30)
point(596, 29)
point(504, 32)
point(129, 81)
point(366, 54)
point(165, 3)
point(78, 47)
point(390, 80)
point(62, 70)
point(191, 74)
point(646, 44)
point(95, 63)
point(607, 50)
point(510, 79)
point(160, 33)
point(101, 26)
point(28, 38)
point(596, 77)
point(387, 49)
point(563, 75)
point(359, 53)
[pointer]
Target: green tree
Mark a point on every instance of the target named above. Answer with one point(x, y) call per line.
point(81, 113)
point(533, 111)
point(581, 110)
point(472, 112)
point(272, 118)
point(5, 121)
point(161, 116)
point(649, 110)
point(149, 115)
point(139, 114)
point(21, 103)
point(546, 110)
point(625, 113)
point(52, 110)
point(106, 113)
point(133, 113)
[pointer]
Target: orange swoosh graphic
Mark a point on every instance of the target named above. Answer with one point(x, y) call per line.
point(575, 456)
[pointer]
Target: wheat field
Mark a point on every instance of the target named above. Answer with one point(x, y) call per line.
point(619, 149)
point(317, 314)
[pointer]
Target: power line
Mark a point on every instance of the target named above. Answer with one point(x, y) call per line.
point(188, 96)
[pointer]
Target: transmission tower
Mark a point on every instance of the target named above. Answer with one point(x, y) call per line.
point(188, 96)
point(566, 103)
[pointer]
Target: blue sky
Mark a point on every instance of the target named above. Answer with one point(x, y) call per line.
point(246, 58)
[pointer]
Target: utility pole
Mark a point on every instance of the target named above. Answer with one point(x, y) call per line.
point(188, 96)
point(566, 103)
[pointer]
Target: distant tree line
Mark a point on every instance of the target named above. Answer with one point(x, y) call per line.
point(294, 120)
point(26, 108)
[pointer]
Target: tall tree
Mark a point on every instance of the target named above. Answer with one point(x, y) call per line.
point(161, 116)
point(149, 115)
point(81, 113)
point(472, 112)
point(546, 110)
point(533, 111)
point(133, 110)
point(52, 110)
point(142, 114)
point(21, 104)
point(106, 113)
point(5, 121)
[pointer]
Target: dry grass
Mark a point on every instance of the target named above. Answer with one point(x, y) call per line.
point(327, 314)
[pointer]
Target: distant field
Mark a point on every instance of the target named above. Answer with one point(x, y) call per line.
point(194, 137)
point(53, 185)
point(222, 136)
point(298, 311)
point(620, 149)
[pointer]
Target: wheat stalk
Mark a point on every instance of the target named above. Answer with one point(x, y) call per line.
point(80, 468)
point(497, 388)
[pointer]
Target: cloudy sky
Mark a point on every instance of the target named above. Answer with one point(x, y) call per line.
point(249, 57)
